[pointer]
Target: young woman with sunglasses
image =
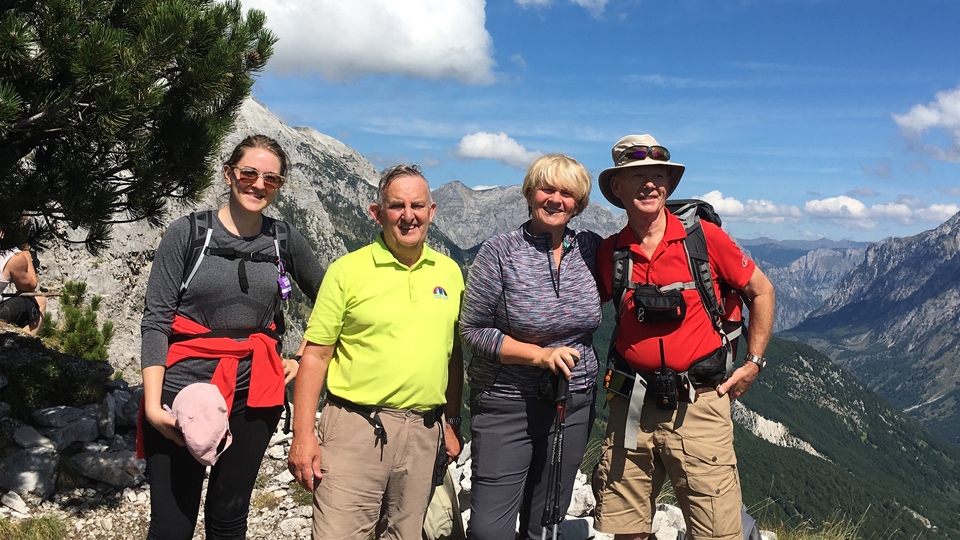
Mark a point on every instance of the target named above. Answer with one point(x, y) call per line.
point(219, 330)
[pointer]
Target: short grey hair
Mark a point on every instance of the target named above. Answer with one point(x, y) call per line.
point(392, 173)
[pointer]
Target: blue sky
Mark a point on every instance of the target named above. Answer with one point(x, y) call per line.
point(796, 118)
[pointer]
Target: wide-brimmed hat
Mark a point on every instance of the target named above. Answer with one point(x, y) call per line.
point(624, 157)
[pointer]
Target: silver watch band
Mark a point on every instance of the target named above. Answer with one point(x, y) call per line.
point(760, 361)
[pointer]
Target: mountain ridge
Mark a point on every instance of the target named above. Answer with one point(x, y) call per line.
point(893, 322)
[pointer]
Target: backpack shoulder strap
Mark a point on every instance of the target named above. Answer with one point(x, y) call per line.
point(695, 244)
point(281, 240)
point(201, 229)
point(622, 270)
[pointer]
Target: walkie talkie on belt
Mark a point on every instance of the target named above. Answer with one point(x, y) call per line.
point(664, 385)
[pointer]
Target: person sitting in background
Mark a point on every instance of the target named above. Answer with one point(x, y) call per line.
point(16, 267)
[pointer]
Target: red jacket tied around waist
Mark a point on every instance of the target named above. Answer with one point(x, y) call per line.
point(266, 372)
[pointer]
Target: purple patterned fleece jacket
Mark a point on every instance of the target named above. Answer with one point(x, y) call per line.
point(514, 288)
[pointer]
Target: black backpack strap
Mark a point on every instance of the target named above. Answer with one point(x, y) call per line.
point(622, 270)
point(281, 242)
point(695, 245)
point(281, 239)
point(201, 229)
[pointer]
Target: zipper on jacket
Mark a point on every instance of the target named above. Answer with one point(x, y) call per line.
point(555, 269)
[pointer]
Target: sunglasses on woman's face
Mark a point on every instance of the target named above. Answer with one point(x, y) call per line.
point(249, 175)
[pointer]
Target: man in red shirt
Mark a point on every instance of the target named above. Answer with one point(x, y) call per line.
point(691, 442)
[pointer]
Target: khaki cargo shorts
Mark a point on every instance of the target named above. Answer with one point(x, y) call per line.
point(693, 446)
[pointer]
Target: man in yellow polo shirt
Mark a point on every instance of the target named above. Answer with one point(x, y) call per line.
point(383, 336)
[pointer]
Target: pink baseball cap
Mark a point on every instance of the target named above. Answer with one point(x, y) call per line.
point(201, 414)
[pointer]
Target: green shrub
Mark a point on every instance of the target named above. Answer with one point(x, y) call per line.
point(42, 377)
point(77, 332)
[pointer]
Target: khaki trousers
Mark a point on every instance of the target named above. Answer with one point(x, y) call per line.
point(693, 446)
point(368, 485)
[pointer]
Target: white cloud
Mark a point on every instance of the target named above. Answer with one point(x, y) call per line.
point(844, 211)
point(519, 61)
point(432, 39)
point(752, 211)
point(941, 114)
point(910, 201)
point(898, 211)
point(499, 146)
point(841, 206)
point(938, 213)
point(430, 162)
point(850, 212)
point(595, 7)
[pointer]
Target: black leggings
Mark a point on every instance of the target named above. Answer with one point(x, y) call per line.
point(176, 478)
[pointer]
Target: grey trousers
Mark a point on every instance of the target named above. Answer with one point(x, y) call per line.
point(511, 451)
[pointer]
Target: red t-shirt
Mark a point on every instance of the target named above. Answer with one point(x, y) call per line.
point(684, 341)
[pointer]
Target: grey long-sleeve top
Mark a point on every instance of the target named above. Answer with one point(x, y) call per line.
point(514, 288)
point(214, 297)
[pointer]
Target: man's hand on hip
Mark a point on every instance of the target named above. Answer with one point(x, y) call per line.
point(740, 381)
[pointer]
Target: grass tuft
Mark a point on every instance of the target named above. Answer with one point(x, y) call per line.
point(40, 528)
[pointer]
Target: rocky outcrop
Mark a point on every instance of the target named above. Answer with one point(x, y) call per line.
point(769, 430)
point(804, 284)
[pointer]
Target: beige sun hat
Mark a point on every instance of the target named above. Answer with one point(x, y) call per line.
point(623, 158)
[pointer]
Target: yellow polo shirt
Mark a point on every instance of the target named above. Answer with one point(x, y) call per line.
point(393, 326)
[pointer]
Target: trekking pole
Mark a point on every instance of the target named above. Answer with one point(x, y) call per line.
point(551, 511)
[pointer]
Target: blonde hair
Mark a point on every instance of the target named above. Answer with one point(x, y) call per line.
point(560, 172)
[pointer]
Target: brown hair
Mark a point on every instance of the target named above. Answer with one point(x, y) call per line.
point(392, 173)
point(259, 141)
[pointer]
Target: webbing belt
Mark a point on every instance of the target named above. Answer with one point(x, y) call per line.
point(639, 393)
point(618, 382)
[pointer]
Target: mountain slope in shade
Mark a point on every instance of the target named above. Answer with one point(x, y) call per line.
point(876, 462)
point(894, 321)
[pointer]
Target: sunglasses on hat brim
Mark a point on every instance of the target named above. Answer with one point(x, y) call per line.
point(642, 152)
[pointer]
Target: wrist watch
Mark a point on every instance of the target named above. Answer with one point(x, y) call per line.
point(760, 361)
point(455, 420)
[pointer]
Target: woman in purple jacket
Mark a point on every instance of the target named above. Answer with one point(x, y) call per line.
point(529, 313)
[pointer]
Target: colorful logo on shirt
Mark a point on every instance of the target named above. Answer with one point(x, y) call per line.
point(439, 292)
